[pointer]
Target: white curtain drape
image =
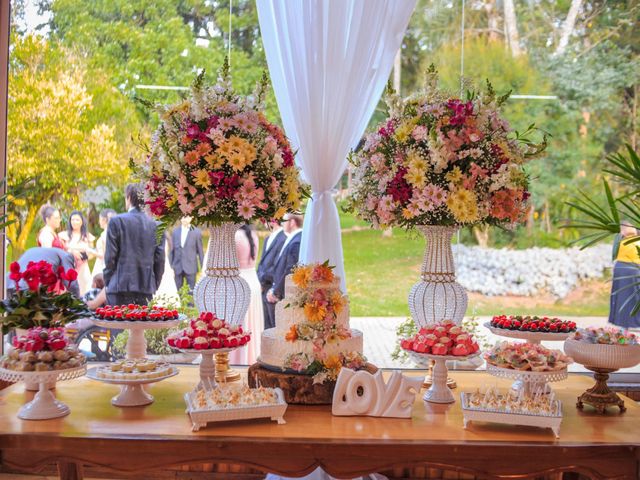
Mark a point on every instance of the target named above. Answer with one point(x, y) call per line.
point(329, 62)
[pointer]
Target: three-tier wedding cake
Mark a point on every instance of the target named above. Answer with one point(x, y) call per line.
point(312, 334)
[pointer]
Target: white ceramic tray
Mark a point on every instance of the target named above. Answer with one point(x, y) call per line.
point(200, 417)
point(612, 357)
point(44, 405)
point(132, 393)
point(531, 337)
point(500, 416)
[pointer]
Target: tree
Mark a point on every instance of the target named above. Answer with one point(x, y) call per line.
point(52, 139)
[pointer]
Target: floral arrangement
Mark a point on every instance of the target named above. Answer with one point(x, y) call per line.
point(46, 302)
point(217, 158)
point(321, 300)
point(442, 160)
point(606, 336)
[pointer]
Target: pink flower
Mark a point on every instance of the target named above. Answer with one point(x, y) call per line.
point(419, 133)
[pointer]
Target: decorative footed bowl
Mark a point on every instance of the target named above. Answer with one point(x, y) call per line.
point(612, 357)
point(602, 359)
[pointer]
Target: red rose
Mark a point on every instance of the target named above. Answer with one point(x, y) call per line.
point(71, 275)
point(14, 267)
point(32, 278)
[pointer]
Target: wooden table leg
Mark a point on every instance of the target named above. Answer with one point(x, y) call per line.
point(69, 471)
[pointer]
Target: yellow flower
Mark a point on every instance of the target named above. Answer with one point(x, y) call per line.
point(280, 213)
point(225, 149)
point(249, 152)
point(406, 214)
point(292, 334)
point(338, 301)
point(315, 312)
point(237, 161)
point(201, 178)
point(454, 176)
point(301, 276)
point(173, 195)
point(416, 178)
point(332, 338)
point(463, 205)
point(214, 161)
point(404, 129)
point(333, 362)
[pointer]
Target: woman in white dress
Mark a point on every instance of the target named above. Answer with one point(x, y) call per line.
point(101, 244)
point(79, 241)
point(247, 249)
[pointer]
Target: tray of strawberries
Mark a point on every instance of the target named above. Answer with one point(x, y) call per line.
point(444, 339)
point(207, 332)
point(531, 328)
point(136, 317)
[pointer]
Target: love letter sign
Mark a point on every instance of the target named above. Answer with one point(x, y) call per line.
point(363, 393)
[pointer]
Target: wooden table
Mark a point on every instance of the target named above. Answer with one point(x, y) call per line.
point(139, 439)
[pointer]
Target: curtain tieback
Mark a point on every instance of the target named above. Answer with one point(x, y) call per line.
point(315, 196)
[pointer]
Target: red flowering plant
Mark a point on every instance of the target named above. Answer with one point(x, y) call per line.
point(45, 302)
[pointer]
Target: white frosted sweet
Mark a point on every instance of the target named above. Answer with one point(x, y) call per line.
point(274, 349)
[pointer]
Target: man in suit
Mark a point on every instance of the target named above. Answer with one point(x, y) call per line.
point(288, 258)
point(56, 257)
point(186, 253)
point(134, 256)
point(266, 269)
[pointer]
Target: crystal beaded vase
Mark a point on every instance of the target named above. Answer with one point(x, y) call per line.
point(437, 296)
point(222, 290)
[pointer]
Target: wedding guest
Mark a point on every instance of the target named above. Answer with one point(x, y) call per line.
point(186, 253)
point(134, 257)
point(55, 256)
point(625, 287)
point(48, 235)
point(288, 258)
point(247, 249)
point(266, 269)
point(101, 243)
point(79, 242)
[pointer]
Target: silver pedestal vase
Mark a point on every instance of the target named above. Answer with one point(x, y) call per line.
point(222, 290)
point(437, 296)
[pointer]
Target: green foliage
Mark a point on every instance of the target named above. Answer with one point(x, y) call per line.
point(26, 309)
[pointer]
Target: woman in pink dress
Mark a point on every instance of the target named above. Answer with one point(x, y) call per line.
point(247, 249)
point(48, 235)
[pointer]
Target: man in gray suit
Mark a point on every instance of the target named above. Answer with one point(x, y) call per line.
point(186, 253)
point(54, 256)
point(134, 258)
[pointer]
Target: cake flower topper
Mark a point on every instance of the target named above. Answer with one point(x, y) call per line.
point(217, 158)
point(443, 160)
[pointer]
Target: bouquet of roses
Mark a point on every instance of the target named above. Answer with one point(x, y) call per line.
point(443, 160)
point(45, 303)
point(217, 158)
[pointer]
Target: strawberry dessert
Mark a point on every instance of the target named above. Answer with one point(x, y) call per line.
point(533, 324)
point(41, 350)
point(133, 312)
point(445, 338)
point(207, 332)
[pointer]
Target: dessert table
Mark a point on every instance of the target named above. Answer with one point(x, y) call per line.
point(137, 440)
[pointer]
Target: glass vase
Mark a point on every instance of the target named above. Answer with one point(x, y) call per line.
point(221, 290)
point(437, 296)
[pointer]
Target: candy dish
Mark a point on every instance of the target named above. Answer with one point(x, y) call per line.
point(202, 413)
point(551, 419)
point(44, 405)
point(132, 393)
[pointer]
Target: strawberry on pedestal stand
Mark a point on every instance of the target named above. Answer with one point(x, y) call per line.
point(439, 343)
point(208, 336)
point(136, 319)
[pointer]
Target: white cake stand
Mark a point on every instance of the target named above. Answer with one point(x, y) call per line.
point(439, 392)
point(207, 364)
point(44, 404)
point(131, 392)
point(136, 344)
point(530, 381)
